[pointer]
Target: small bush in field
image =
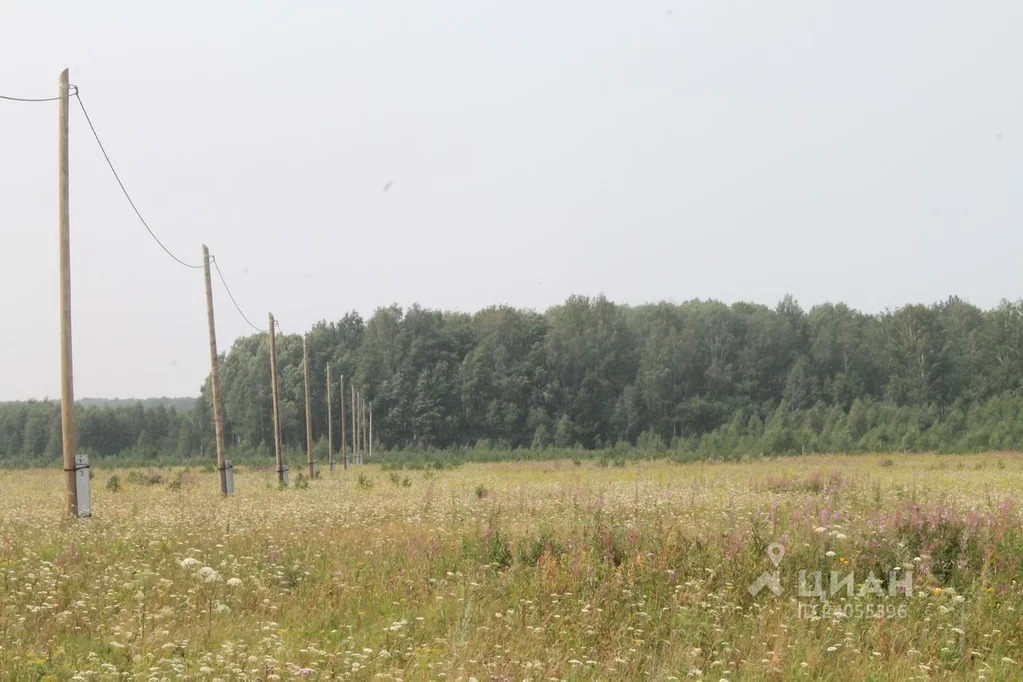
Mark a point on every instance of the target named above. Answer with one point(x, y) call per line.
point(146, 478)
point(399, 481)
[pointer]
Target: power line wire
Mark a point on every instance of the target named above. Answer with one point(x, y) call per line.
point(11, 98)
point(127, 196)
point(124, 190)
point(231, 296)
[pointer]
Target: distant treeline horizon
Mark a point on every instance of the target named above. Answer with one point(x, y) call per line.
point(699, 376)
point(179, 403)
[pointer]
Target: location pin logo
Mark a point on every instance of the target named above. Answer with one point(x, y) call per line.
point(772, 581)
point(776, 552)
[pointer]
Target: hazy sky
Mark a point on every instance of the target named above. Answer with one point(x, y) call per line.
point(869, 152)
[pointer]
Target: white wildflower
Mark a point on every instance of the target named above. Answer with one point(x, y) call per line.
point(209, 575)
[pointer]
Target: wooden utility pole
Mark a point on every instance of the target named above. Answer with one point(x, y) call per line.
point(276, 403)
point(371, 430)
point(330, 425)
point(67, 384)
point(362, 428)
point(355, 427)
point(344, 448)
point(218, 417)
point(358, 422)
point(308, 411)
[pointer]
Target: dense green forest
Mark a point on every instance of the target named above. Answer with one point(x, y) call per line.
point(697, 377)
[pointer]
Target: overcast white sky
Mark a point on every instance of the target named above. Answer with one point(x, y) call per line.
point(868, 152)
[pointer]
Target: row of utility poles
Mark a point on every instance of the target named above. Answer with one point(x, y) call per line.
point(76, 467)
point(362, 414)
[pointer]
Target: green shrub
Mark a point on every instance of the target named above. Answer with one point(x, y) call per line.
point(146, 478)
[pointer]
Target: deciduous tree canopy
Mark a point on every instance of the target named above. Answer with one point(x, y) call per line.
point(592, 373)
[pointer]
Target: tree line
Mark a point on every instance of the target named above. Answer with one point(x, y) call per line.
point(700, 376)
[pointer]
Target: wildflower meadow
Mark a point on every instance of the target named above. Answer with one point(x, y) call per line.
point(815, 567)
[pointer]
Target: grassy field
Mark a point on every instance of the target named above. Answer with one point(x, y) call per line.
point(540, 571)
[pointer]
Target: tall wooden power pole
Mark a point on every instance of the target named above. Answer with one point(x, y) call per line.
point(218, 417)
point(281, 478)
point(355, 430)
point(362, 428)
point(67, 384)
point(344, 448)
point(330, 425)
point(371, 430)
point(308, 410)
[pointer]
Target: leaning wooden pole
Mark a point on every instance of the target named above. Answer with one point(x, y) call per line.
point(344, 448)
point(218, 417)
point(330, 425)
point(67, 383)
point(278, 445)
point(355, 428)
point(308, 411)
